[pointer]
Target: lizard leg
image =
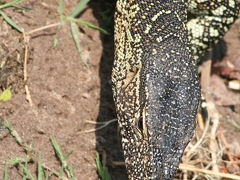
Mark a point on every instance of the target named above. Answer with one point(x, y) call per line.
point(213, 20)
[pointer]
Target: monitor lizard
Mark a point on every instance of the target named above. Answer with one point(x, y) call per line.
point(155, 80)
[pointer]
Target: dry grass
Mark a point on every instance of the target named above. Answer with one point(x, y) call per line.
point(208, 155)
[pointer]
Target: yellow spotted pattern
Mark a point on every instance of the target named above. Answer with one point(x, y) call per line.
point(154, 78)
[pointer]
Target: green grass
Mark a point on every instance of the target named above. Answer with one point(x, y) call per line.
point(6, 18)
point(64, 172)
point(7, 94)
point(6, 172)
point(71, 17)
point(42, 172)
point(64, 166)
point(102, 169)
point(73, 25)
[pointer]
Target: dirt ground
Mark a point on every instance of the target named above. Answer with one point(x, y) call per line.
point(67, 95)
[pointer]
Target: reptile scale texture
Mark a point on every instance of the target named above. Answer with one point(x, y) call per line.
point(155, 80)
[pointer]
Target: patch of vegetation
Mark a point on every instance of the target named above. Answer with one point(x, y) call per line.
point(65, 167)
point(73, 24)
point(43, 172)
point(102, 169)
point(71, 17)
point(6, 18)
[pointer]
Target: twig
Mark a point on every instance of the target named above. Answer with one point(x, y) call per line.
point(200, 121)
point(237, 155)
point(117, 163)
point(185, 175)
point(99, 128)
point(213, 146)
point(26, 42)
point(227, 148)
point(42, 28)
point(54, 172)
point(26, 39)
point(205, 75)
point(94, 122)
point(28, 96)
point(234, 125)
point(200, 140)
point(218, 174)
point(186, 167)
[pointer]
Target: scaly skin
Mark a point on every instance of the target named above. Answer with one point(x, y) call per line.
point(155, 84)
point(212, 22)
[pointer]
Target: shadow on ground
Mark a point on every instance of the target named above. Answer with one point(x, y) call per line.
point(108, 139)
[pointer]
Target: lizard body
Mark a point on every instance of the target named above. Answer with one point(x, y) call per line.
point(155, 81)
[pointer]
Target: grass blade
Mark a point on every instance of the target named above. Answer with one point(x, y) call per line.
point(106, 174)
point(64, 166)
point(99, 166)
point(71, 170)
point(46, 174)
point(19, 162)
point(58, 29)
point(24, 173)
point(55, 42)
point(79, 8)
point(75, 35)
point(10, 4)
point(14, 133)
point(9, 21)
point(12, 160)
point(78, 21)
point(39, 167)
point(22, 8)
point(27, 171)
point(60, 11)
point(60, 8)
point(6, 172)
point(61, 171)
point(57, 149)
point(68, 154)
point(102, 170)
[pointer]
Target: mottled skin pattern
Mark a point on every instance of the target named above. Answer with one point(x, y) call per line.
point(155, 81)
point(213, 19)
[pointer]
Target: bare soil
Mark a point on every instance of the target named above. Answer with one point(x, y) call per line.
point(66, 95)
